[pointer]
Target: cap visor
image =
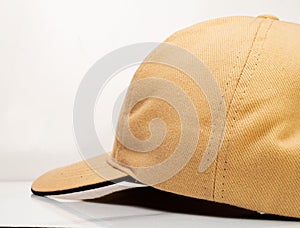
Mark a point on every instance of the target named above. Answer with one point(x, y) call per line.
point(94, 176)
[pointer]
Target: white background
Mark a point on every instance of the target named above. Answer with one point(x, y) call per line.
point(46, 47)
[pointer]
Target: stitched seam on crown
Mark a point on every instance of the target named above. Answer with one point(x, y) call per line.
point(241, 96)
point(228, 81)
point(230, 103)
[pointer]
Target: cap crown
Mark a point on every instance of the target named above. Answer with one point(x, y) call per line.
point(256, 64)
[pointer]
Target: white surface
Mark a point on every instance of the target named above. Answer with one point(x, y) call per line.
point(19, 208)
point(47, 46)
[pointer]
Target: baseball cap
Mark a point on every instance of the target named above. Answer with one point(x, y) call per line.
point(237, 143)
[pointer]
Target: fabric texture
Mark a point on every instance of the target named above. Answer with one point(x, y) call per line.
point(256, 63)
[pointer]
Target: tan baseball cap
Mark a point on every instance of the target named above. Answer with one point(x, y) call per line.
point(237, 143)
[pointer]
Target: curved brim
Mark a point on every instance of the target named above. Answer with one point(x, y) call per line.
point(84, 176)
